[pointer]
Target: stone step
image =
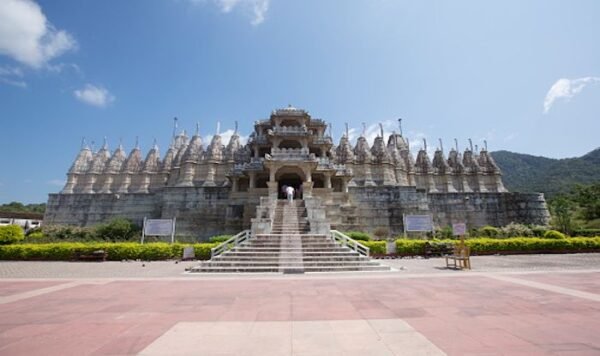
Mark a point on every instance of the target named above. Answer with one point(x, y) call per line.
point(290, 264)
point(271, 269)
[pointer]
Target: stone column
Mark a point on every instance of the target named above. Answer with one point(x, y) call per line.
point(307, 189)
point(327, 180)
point(252, 183)
point(188, 175)
point(124, 188)
point(108, 181)
point(272, 189)
point(210, 175)
point(145, 184)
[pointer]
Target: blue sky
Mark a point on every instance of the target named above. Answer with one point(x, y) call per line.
point(523, 75)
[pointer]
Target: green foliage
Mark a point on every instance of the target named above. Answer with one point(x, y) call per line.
point(64, 251)
point(538, 230)
point(117, 229)
point(10, 234)
point(588, 198)
point(381, 233)
point(562, 211)
point(586, 232)
point(516, 230)
point(526, 173)
point(553, 234)
point(17, 207)
point(67, 233)
point(375, 247)
point(488, 231)
point(35, 236)
point(444, 233)
point(517, 244)
point(220, 238)
point(358, 235)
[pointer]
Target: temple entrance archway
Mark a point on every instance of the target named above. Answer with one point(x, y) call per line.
point(289, 176)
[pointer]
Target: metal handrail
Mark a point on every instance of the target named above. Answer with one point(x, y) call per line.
point(232, 242)
point(344, 240)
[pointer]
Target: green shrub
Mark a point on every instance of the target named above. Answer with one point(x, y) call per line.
point(67, 233)
point(488, 231)
point(35, 236)
point(517, 244)
point(538, 230)
point(117, 229)
point(586, 232)
point(375, 247)
point(64, 251)
point(10, 234)
point(553, 234)
point(220, 238)
point(444, 233)
point(358, 235)
point(381, 233)
point(516, 230)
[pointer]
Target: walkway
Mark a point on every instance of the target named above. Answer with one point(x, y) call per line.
point(125, 309)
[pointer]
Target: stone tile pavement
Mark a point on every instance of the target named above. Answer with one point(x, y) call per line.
point(517, 305)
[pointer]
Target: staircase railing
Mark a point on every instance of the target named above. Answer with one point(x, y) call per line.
point(344, 240)
point(230, 243)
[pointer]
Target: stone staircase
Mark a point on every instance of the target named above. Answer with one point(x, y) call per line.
point(290, 248)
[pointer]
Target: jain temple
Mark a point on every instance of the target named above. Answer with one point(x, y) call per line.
point(225, 187)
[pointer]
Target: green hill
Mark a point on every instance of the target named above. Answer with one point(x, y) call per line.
point(526, 173)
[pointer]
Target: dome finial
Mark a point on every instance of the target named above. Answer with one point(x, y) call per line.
point(424, 144)
point(218, 127)
point(471, 144)
point(347, 132)
point(381, 129)
point(83, 143)
point(174, 127)
point(197, 128)
point(400, 125)
point(364, 131)
point(441, 145)
point(235, 131)
point(105, 144)
point(456, 144)
point(485, 144)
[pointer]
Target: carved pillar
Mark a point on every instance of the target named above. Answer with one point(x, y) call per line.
point(70, 185)
point(368, 176)
point(187, 179)
point(307, 189)
point(234, 184)
point(88, 187)
point(145, 183)
point(124, 188)
point(210, 175)
point(108, 181)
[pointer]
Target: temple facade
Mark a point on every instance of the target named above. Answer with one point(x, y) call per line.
point(224, 187)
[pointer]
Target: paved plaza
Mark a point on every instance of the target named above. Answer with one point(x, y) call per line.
point(508, 305)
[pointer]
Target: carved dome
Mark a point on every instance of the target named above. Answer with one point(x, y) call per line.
point(82, 162)
point(116, 161)
point(152, 161)
point(100, 160)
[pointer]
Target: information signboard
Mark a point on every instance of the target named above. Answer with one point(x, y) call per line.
point(418, 223)
point(459, 229)
point(159, 227)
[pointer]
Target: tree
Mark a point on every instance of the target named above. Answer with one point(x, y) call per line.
point(562, 211)
point(588, 198)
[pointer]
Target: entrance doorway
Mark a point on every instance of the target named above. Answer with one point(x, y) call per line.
point(289, 180)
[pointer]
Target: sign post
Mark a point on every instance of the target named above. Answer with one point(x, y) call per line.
point(417, 223)
point(159, 227)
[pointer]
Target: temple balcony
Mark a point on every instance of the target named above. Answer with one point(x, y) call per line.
point(323, 140)
point(291, 154)
point(290, 131)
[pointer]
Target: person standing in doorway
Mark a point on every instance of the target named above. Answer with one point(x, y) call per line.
point(290, 193)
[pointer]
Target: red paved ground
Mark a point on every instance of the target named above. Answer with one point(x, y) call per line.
point(460, 315)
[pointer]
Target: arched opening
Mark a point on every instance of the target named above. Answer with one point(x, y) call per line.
point(289, 177)
point(318, 181)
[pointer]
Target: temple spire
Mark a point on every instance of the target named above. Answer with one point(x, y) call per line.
point(197, 129)
point(218, 127)
point(83, 143)
point(235, 131)
point(485, 144)
point(425, 144)
point(441, 145)
point(400, 125)
point(471, 144)
point(347, 132)
point(105, 144)
point(137, 142)
point(174, 127)
point(364, 131)
point(456, 144)
point(381, 129)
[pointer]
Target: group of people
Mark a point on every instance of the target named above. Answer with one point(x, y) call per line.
point(289, 192)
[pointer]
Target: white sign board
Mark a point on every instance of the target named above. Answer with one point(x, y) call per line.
point(418, 223)
point(158, 227)
point(459, 229)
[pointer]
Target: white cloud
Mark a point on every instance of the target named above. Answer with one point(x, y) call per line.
point(28, 37)
point(56, 182)
point(12, 76)
point(225, 137)
point(94, 95)
point(566, 88)
point(257, 8)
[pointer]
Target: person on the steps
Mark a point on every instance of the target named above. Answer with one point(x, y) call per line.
point(290, 193)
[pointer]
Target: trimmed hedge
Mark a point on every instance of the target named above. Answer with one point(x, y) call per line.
point(358, 235)
point(64, 251)
point(587, 232)
point(486, 246)
point(10, 234)
point(375, 247)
